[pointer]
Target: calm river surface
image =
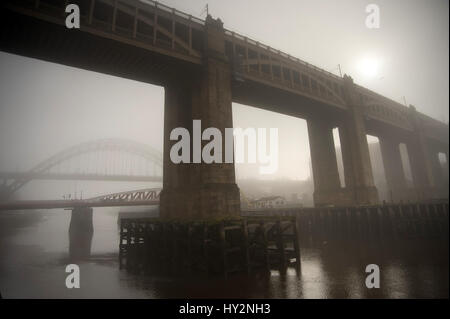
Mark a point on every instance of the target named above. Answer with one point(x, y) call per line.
point(34, 253)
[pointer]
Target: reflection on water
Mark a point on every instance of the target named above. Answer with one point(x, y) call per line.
point(34, 250)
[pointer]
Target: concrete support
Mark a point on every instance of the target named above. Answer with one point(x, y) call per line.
point(327, 188)
point(393, 169)
point(355, 151)
point(198, 189)
point(81, 230)
point(440, 174)
point(421, 160)
point(446, 172)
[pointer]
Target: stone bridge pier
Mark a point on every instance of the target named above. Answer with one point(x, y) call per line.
point(198, 189)
point(359, 185)
point(420, 160)
point(393, 169)
point(81, 231)
point(327, 187)
point(440, 172)
point(429, 177)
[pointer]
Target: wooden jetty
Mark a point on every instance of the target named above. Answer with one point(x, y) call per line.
point(224, 247)
point(269, 239)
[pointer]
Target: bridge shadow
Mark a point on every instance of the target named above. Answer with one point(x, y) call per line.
point(81, 231)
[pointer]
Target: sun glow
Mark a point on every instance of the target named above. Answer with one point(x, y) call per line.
point(369, 67)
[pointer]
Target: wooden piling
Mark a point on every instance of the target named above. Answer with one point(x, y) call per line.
point(253, 243)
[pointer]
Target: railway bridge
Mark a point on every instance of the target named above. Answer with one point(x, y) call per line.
point(203, 68)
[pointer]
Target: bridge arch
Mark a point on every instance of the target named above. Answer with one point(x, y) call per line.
point(110, 144)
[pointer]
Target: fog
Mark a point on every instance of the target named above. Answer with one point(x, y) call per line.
point(46, 108)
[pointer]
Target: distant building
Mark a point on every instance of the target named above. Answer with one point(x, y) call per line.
point(268, 202)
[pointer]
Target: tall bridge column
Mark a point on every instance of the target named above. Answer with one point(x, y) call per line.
point(440, 173)
point(327, 187)
point(393, 169)
point(200, 189)
point(355, 150)
point(81, 231)
point(420, 159)
point(446, 174)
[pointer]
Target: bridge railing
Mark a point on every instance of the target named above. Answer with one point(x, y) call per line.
point(151, 24)
point(281, 54)
point(263, 63)
point(158, 5)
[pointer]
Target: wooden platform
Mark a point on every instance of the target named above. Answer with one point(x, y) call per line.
point(225, 247)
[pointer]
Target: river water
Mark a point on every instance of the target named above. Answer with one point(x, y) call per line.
point(34, 252)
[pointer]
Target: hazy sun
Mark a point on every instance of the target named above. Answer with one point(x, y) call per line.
point(369, 67)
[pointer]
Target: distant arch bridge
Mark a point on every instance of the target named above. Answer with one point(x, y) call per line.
point(100, 160)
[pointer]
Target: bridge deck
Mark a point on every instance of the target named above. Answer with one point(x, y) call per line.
point(148, 41)
point(52, 204)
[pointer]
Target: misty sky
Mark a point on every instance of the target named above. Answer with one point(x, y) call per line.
point(45, 108)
